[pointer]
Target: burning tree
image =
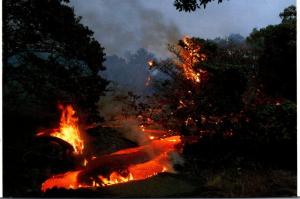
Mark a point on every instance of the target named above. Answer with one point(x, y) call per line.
point(212, 93)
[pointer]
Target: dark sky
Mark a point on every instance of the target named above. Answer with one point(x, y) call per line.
point(124, 25)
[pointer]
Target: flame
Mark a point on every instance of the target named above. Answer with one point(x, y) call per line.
point(151, 137)
point(125, 165)
point(67, 180)
point(190, 55)
point(85, 162)
point(151, 64)
point(141, 171)
point(68, 129)
point(130, 164)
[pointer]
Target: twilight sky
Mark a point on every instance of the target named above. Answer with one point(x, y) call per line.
point(126, 25)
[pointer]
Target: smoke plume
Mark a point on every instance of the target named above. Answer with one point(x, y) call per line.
point(122, 26)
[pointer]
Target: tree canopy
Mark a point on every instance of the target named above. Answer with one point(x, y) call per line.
point(191, 5)
point(49, 57)
point(275, 49)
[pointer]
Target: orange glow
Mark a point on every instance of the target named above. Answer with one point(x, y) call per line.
point(189, 56)
point(158, 164)
point(68, 129)
point(125, 165)
point(67, 180)
point(85, 162)
point(150, 63)
point(151, 137)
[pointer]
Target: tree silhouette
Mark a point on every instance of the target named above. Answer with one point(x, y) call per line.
point(49, 57)
point(275, 47)
point(46, 48)
point(191, 5)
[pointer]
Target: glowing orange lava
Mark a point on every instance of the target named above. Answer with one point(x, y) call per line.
point(158, 163)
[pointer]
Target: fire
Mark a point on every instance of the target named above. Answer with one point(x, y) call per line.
point(158, 149)
point(151, 137)
point(68, 129)
point(151, 64)
point(67, 180)
point(148, 81)
point(189, 56)
point(131, 164)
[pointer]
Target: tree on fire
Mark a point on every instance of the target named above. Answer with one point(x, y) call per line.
point(219, 91)
point(241, 122)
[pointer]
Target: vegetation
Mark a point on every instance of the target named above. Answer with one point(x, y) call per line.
point(191, 5)
point(49, 57)
point(275, 48)
point(236, 96)
point(243, 110)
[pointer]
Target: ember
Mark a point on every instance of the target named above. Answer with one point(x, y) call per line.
point(138, 163)
point(191, 55)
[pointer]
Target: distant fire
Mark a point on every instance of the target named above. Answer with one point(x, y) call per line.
point(189, 55)
point(151, 64)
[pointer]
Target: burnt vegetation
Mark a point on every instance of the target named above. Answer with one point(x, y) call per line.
point(235, 97)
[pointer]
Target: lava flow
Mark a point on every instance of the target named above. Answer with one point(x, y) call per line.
point(122, 166)
point(130, 164)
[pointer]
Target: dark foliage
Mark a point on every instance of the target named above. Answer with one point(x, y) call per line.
point(49, 57)
point(191, 5)
point(275, 48)
point(120, 70)
point(239, 121)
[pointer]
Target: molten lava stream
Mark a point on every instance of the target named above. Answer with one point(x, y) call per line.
point(138, 167)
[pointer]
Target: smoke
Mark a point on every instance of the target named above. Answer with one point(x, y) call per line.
point(122, 26)
point(116, 108)
point(175, 160)
point(118, 112)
